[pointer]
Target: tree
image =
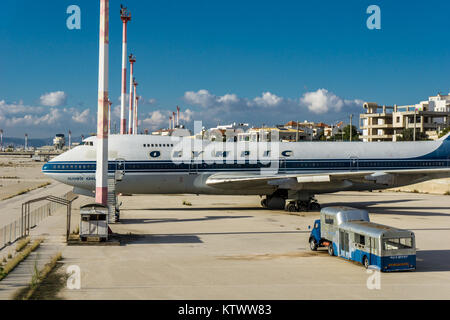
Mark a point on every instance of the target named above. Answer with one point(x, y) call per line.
point(408, 135)
point(355, 133)
point(444, 132)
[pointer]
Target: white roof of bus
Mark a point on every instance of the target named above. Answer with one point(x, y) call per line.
point(343, 214)
point(374, 229)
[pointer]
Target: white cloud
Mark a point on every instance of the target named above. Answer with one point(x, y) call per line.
point(323, 101)
point(268, 108)
point(200, 98)
point(81, 117)
point(155, 120)
point(53, 99)
point(268, 99)
point(15, 118)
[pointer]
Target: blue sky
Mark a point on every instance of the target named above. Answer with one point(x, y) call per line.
point(244, 61)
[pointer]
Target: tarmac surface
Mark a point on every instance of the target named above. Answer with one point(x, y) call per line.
point(227, 247)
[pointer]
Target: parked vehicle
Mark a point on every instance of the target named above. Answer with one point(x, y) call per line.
point(348, 233)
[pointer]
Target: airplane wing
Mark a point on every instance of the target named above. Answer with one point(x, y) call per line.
point(262, 179)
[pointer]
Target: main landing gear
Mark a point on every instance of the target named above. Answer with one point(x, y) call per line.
point(278, 202)
point(303, 205)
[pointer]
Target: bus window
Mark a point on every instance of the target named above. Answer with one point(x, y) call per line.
point(329, 220)
point(397, 243)
point(360, 239)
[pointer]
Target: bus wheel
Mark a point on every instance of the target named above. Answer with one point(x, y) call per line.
point(313, 245)
point(366, 262)
point(330, 249)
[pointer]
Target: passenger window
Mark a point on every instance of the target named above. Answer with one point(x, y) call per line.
point(329, 220)
point(360, 239)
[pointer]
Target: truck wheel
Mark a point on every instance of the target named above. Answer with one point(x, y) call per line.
point(313, 245)
point(291, 207)
point(330, 249)
point(365, 262)
point(315, 206)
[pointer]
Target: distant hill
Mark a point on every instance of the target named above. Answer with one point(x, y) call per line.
point(19, 142)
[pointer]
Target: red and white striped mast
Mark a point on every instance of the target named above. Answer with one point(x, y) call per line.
point(173, 119)
point(125, 16)
point(101, 175)
point(135, 84)
point(132, 60)
point(109, 116)
point(178, 116)
point(136, 114)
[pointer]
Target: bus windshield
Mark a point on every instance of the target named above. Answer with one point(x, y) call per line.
point(397, 243)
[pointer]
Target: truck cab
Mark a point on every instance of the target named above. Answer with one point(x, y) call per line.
point(314, 238)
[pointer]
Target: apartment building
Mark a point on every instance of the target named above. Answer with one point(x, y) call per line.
point(386, 123)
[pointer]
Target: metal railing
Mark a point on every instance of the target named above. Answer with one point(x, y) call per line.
point(14, 231)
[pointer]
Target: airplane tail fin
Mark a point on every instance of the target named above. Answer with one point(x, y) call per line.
point(446, 137)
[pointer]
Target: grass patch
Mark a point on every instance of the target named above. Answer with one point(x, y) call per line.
point(22, 244)
point(186, 203)
point(447, 193)
point(26, 190)
point(45, 284)
point(18, 258)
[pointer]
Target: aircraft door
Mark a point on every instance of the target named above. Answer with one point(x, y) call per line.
point(120, 169)
point(193, 167)
point(282, 166)
point(354, 163)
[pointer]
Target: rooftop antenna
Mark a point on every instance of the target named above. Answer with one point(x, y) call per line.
point(132, 60)
point(101, 174)
point(125, 16)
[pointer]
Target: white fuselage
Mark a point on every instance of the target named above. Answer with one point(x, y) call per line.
point(158, 164)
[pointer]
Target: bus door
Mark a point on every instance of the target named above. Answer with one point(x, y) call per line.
point(344, 244)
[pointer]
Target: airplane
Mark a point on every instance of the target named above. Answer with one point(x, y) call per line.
point(287, 175)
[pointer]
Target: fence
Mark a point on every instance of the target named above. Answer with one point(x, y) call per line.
point(10, 233)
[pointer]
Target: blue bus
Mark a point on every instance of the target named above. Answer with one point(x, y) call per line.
point(348, 233)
